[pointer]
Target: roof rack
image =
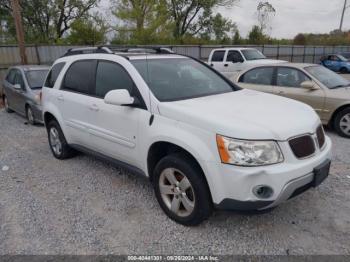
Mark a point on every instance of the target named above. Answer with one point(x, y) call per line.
point(111, 50)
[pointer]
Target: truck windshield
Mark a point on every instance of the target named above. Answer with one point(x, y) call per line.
point(36, 78)
point(172, 79)
point(252, 54)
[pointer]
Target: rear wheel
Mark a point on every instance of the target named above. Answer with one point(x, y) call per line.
point(58, 144)
point(181, 190)
point(342, 123)
point(6, 105)
point(343, 70)
point(30, 115)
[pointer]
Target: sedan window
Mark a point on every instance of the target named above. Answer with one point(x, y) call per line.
point(19, 79)
point(11, 76)
point(258, 76)
point(35, 78)
point(290, 77)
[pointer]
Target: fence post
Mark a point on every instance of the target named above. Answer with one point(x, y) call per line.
point(37, 54)
point(278, 52)
point(314, 56)
point(304, 54)
point(292, 53)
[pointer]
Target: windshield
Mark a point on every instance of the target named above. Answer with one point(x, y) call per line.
point(36, 78)
point(327, 77)
point(252, 54)
point(174, 79)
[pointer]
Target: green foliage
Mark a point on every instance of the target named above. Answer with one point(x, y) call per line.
point(87, 32)
point(299, 39)
point(256, 36)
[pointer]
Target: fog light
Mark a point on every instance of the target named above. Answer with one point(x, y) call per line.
point(263, 192)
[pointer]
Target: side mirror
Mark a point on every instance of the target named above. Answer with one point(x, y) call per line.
point(17, 86)
point(119, 97)
point(309, 85)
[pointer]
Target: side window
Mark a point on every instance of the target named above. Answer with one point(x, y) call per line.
point(258, 76)
point(111, 76)
point(19, 79)
point(79, 77)
point(234, 57)
point(11, 76)
point(218, 56)
point(290, 77)
point(53, 74)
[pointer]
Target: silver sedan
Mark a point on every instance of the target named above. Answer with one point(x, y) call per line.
point(21, 91)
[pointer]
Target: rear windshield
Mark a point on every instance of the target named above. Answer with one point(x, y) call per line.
point(36, 78)
point(172, 79)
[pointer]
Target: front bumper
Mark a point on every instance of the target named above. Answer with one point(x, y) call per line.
point(233, 186)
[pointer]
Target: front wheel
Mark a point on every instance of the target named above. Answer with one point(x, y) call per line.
point(181, 190)
point(343, 70)
point(58, 144)
point(30, 115)
point(342, 123)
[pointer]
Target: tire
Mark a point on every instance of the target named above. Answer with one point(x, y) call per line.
point(30, 116)
point(192, 201)
point(6, 105)
point(58, 144)
point(342, 123)
point(343, 70)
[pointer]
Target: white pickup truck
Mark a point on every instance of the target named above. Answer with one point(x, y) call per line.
point(229, 61)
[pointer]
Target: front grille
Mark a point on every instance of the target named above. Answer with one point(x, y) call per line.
point(320, 136)
point(302, 146)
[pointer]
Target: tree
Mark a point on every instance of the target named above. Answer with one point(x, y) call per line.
point(191, 16)
point(87, 32)
point(256, 36)
point(221, 27)
point(299, 39)
point(142, 18)
point(49, 20)
point(265, 12)
point(237, 38)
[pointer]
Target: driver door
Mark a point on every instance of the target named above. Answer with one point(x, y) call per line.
point(234, 62)
point(288, 84)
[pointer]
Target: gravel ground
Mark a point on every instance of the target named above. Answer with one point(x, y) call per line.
point(85, 206)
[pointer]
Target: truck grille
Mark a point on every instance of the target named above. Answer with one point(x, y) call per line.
point(320, 136)
point(305, 146)
point(302, 146)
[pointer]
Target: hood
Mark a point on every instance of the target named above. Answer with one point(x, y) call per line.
point(266, 61)
point(245, 114)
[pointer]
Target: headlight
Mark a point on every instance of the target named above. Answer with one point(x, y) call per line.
point(248, 153)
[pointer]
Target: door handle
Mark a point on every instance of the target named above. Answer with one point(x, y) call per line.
point(60, 98)
point(225, 65)
point(94, 107)
point(211, 64)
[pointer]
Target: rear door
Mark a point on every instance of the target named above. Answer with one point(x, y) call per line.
point(259, 79)
point(218, 59)
point(114, 129)
point(288, 84)
point(75, 100)
point(18, 99)
point(8, 86)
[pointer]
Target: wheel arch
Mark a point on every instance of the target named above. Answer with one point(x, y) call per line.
point(335, 113)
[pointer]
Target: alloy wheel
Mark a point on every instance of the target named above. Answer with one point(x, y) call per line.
point(345, 124)
point(30, 116)
point(55, 141)
point(177, 192)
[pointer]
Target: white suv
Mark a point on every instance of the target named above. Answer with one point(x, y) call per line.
point(203, 142)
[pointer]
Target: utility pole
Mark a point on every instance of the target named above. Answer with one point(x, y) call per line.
point(16, 13)
point(342, 16)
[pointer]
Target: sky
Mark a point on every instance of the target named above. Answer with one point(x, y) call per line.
point(292, 16)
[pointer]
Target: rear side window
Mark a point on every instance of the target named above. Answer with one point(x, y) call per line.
point(52, 76)
point(258, 76)
point(79, 77)
point(11, 76)
point(218, 56)
point(19, 79)
point(111, 76)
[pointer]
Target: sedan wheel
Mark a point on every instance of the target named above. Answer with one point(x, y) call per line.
point(177, 192)
point(30, 116)
point(55, 142)
point(6, 104)
point(345, 124)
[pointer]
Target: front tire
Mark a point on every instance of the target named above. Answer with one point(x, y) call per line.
point(58, 143)
point(181, 190)
point(342, 123)
point(30, 116)
point(343, 70)
point(6, 104)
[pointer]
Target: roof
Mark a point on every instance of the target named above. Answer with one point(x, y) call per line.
point(32, 67)
point(295, 65)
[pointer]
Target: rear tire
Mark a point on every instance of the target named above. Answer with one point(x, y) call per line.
point(181, 190)
point(58, 143)
point(342, 123)
point(30, 116)
point(6, 105)
point(343, 70)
